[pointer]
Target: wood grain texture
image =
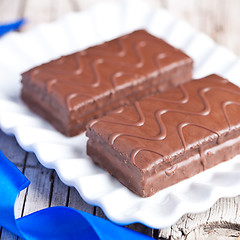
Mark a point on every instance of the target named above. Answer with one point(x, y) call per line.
point(9, 12)
point(217, 18)
point(222, 220)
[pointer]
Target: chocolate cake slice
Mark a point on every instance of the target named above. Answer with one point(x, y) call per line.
point(79, 87)
point(169, 136)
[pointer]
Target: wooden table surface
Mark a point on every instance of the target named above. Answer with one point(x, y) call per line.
point(219, 19)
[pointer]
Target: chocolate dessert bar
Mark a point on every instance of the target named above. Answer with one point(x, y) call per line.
point(79, 87)
point(169, 136)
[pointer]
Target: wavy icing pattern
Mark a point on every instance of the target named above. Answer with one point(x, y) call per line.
point(193, 93)
point(105, 66)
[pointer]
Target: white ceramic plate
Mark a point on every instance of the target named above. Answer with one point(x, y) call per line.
point(21, 51)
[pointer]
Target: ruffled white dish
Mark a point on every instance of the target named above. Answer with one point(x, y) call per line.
point(21, 51)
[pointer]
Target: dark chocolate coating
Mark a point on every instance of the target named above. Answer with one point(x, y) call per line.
point(170, 136)
point(79, 87)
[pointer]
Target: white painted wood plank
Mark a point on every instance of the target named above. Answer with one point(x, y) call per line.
point(36, 12)
point(6, 235)
point(39, 190)
point(142, 229)
point(10, 12)
point(218, 19)
point(191, 226)
point(75, 5)
point(136, 227)
point(83, 4)
point(59, 192)
point(60, 8)
point(213, 232)
point(76, 201)
point(99, 212)
point(32, 161)
point(11, 149)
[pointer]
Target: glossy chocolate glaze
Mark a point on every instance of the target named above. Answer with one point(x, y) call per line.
point(76, 86)
point(156, 137)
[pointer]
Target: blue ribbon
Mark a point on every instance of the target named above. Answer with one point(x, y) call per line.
point(58, 223)
point(11, 26)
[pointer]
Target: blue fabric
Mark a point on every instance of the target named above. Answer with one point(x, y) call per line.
point(11, 26)
point(58, 223)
